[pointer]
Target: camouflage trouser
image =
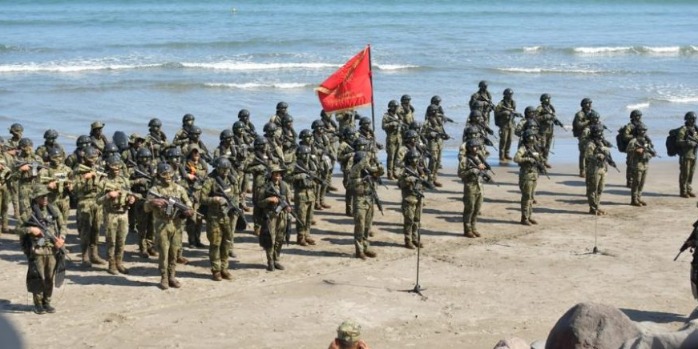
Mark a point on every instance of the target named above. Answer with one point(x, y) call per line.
point(527, 184)
point(687, 167)
point(219, 231)
point(303, 202)
point(547, 142)
point(144, 225)
point(89, 217)
point(505, 136)
point(24, 192)
point(595, 178)
point(638, 183)
point(169, 242)
point(392, 145)
point(434, 162)
point(4, 207)
point(582, 158)
point(63, 205)
point(193, 226)
point(411, 213)
point(629, 172)
point(274, 231)
point(472, 201)
point(116, 229)
point(363, 219)
point(14, 198)
point(44, 261)
point(348, 196)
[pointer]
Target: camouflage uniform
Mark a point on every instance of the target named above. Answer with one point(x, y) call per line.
point(412, 200)
point(392, 125)
point(156, 140)
point(364, 170)
point(257, 167)
point(325, 158)
point(687, 140)
point(527, 156)
point(639, 163)
point(579, 123)
point(89, 214)
point(276, 218)
point(24, 180)
point(405, 111)
point(59, 179)
point(482, 101)
point(5, 198)
point(470, 169)
point(98, 139)
point(434, 133)
point(167, 226)
point(115, 210)
point(504, 114)
point(346, 119)
point(141, 181)
point(597, 155)
point(345, 153)
point(304, 194)
point(193, 171)
point(220, 220)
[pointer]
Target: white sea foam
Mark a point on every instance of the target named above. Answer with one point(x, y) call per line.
point(682, 100)
point(243, 66)
point(532, 48)
point(67, 68)
point(602, 50)
point(642, 105)
point(662, 50)
point(260, 86)
point(537, 70)
point(395, 66)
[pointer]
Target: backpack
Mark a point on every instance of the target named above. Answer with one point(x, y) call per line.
point(671, 147)
point(620, 141)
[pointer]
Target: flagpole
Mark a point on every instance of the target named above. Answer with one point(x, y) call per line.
point(370, 76)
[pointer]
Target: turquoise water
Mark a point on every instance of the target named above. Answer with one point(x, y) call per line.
point(66, 63)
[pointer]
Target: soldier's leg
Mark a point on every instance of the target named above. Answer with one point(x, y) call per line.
point(417, 221)
point(477, 204)
point(683, 172)
point(280, 236)
point(367, 228)
point(582, 160)
point(63, 205)
point(214, 234)
point(502, 144)
point(359, 209)
point(532, 183)
point(175, 250)
point(163, 243)
point(634, 188)
point(4, 207)
point(641, 185)
point(690, 169)
point(507, 146)
point(49, 273)
point(83, 222)
point(590, 182)
point(121, 233)
point(96, 222)
point(348, 196)
point(601, 178)
point(408, 212)
point(390, 161)
point(111, 226)
point(468, 213)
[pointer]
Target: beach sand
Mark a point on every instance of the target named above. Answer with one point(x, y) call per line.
point(514, 281)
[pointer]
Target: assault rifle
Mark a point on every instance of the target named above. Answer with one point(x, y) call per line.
point(111, 187)
point(312, 176)
point(232, 208)
point(688, 243)
point(442, 135)
point(538, 164)
point(140, 173)
point(35, 166)
point(174, 206)
point(83, 169)
point(424, 182)
point(610, 162)
point(282, 206)
point(483, 173)
point(649, 148)
point(61, 253)
point(374, 194)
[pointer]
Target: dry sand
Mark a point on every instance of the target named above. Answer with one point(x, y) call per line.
point(514, 281)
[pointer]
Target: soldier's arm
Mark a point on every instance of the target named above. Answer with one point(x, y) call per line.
point(520, 157)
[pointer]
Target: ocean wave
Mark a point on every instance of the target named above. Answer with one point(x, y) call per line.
point(234, 65)
point(641, 105)
point(395, 66)
point(261, 86)
point(537, 70)
point(637, 50)
point(680, 99)
point(68, 68)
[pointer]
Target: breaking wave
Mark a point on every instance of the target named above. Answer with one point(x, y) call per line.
point(261, 86)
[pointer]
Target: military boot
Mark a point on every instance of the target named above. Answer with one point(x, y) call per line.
point(85, 258)
point(47, 305)
point(409, 244)
point(216, 276)
point(38, 304)
point(225, 274)
point(532, 221)
point(270, 259)
point(525, 221)
point(301, 240)
point(120, 265)
point(324, 205)
point(360, 254)
point(278, 265)
point(370, 254)
point(164, 284)
point(438, 184)
point(309, 240)
point(172, 281)
point(143, 252)
point(152, 252)
point(112, 267)
point(94, 256)
point(468, 231)
point(257, 230)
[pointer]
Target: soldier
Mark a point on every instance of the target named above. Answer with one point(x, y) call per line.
point(115, 200)
point(141, 179)
point(58, 179)
point(412, 182)
point(274, 148)
point(98, 139)
point(242, 142)
point(504, 114)
point(640, 152)
point(281, 110)
point(16, 132)
point(156, 140)
point(194, 141)
point(434, 133)
point(45, 254)
point(182, 136)
point(597, 158)
point(76, 157)
point(244, 119)
point(167, 222)
point(27, 166)
point(366, 132)
point(219, 196)
point(482, 101)
point(88, 213)
point(580, 122)
point(472, 169)
point(530, 161)
point(325, 158)
point(364, 171)
point(49, 142)
point(405, 111)
point(687, 140)
point(392, 125)
point(411, 143)
point(625, 134)
point(347, 118)
point(305, 180)
point(348, 337)
point(5, 199)
point(288, 139)
point(545, 115)
point(274, 200)
point(194, 171)
point(257, 167)
point(345, 153)
point(225, 146)
point(135, 143)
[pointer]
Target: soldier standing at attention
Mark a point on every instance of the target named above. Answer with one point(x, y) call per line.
point(626, 133)
point(411, 182)
point(530, 161)
point(363, 173)
point(27, 166)
point(41, 251)
point(545, 114)
point(50, 137)
point(346, 118)
point(504, 114)
point(482, 101)
point(244, 118)
point(194, 170)
point(598, 157)
point(326, 157)
point(345, 154)
point(141, 179)
point(687, 140)
point(115, 202)
point(167, 223)
point(392, 125)
point(220, 216)
point(640, 153)
point(58, 179)
point(434, 133)
point(304, 192)
point(156, 140)
point(182, 136)
point(99, 140)
point(274, 201)
point(471, 168)
point(580, 122)
point(88, 213)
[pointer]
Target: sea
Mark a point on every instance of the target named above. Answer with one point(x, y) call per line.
point(67, 63)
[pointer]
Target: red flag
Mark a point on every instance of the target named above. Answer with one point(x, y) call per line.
point(350, 86)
